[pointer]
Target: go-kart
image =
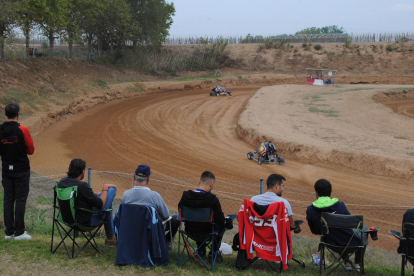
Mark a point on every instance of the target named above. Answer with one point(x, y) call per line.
point(267, 157)
point(219, 90)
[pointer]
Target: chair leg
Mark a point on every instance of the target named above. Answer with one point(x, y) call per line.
point(402, 265)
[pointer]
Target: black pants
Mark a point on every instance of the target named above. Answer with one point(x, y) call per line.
point(174, 225)
point(16, 190)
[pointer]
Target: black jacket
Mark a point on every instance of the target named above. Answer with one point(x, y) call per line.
point(202, 200)
point(339, 237)
point(15, 144)
point(86, 198)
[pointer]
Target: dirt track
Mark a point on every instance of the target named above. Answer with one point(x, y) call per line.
point(182, 134)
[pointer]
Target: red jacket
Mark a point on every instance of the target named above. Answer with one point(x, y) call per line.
point(268, 235)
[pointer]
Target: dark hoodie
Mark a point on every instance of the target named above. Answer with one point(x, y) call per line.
point(202, 200)
point(339, 237)
point(15, 144)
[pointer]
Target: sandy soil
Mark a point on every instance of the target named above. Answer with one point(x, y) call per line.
point(340, 125)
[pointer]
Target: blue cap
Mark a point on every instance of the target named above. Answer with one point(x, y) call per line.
point(143, 170)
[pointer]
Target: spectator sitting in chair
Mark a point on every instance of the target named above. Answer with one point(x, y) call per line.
point(408, 217)
point(88, 199)
point(340, 237)
point(275, 187)
point(203, 198)
point(140, 194)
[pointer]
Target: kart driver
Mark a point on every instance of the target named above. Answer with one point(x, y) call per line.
point(266, 147)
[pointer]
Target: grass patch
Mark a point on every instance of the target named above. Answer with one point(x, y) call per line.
point(328, 113)
point(198, 78)
point(403, 88)
point(135, 89)
point(339, 99)
point(30, 98)
point(101, 83)
point(35, 256)
point(361, 88)
point(290, 102)
point(400, 137)
point(411, 153)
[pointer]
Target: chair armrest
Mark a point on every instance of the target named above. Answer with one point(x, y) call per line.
point(397, 235)
point(93, 211)
point(167, 220)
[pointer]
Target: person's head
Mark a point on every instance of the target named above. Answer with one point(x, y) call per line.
point(12, 111)
point(141, 175)
point(275, 183)
point(77, 168)
point(323, 188)
point(207, 180)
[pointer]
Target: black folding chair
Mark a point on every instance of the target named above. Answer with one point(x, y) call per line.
point(209, 240)
point(341, 254)
point(66, 222)
point(407, 245)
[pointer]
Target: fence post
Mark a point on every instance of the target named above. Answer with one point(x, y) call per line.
point(89, 177)
point(261, 185)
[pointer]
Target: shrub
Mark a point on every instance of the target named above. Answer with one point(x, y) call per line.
point(268, 44)
point(348, 43)
point(317, 47)
point(389, 48)
point(304, 45)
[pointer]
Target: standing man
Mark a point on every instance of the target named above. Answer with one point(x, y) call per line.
point(15, 144)
point(88, 199)
point(275, 187)
point(140, 194)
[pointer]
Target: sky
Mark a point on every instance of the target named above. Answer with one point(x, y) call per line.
point(274, 17)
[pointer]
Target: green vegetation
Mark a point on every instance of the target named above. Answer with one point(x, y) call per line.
point(200, 78)
point(403, 88)
point(105, 22)
point(400, 137)
point(328, 113)
point(101, 83)
point(389, 48)
point(317, 47)
point(411, 153)
point(324, 30)
point(160, 63)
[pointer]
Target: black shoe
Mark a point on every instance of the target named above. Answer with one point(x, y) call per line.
point(202, 252)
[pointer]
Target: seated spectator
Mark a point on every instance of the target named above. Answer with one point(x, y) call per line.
point(203, 198)
point(340, 237)
point(142, 195)
point(89, 199)
point(275, 187)
point(408, 217)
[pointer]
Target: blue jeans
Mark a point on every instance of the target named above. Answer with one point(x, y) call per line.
point(97, 218)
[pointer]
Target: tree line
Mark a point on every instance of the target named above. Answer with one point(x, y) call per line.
point(108, 23)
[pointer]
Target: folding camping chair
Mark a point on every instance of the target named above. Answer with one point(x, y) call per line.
point(340, 254)
point(407, 245)
point(141, 236)
point(210, 240)
point(65, 203)
point(244, 263)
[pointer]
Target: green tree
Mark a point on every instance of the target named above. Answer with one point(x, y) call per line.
point(324, 30)
point(53, 19)
point(28, 14)
point(71, 31)
point(150, 21)
point(8, 18)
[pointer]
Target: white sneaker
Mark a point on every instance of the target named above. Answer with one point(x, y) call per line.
point(23, 236)
point(9, 237)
